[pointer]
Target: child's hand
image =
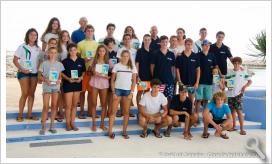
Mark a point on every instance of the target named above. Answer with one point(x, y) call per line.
point(58, 82)
point(40, 80)
point(196, 86)
point(47, 82)
point(71, 80)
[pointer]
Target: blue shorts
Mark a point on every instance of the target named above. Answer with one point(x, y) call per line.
point(21, 75)
point(122, 92)
point(204, 92)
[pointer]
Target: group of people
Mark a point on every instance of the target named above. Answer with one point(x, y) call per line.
point(172, 82)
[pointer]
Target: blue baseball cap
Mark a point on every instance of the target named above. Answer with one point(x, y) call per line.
point(205, 42)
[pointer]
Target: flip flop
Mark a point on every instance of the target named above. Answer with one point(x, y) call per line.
point(224, 136)
point(206, 135)
point(145, 134)
point(33, 118)
point(166, 133)
point(42, 132)
point(81, 116)
point(232, 129)
point(112, 136)
point(19, 119)
point(53, 131)
point(242, 132)
point(125, 135)
point(156, 134)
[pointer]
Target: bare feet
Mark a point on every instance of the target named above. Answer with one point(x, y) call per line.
point(186, 136)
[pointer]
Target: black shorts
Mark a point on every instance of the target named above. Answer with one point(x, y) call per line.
point(217, 122)
point(182, 118)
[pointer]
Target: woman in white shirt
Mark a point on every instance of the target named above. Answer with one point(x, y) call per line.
point(123, 81)
point(26, 60)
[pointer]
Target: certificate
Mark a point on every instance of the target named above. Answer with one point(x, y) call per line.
point(230, 83)
point(27, 64)
point(89, 54)
point(216, 79)
point(113, 61)
point(102, 69)
point(74, 74)
point(53, 76)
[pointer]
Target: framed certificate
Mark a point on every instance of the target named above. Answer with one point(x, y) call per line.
point(216, 79)
point(74, 74)
point(27, 64)
point(102, 69)
point(230, 83)
point(89, 54)
point(53, 76)
point(113, 61)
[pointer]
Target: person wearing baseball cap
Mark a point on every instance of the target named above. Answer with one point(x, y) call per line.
point(181, 111)
point(207, 63)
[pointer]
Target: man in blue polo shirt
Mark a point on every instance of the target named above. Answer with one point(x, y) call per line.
point(188, 68)
point(79, 34)
point(221, 52)
point(207, 63)
point(162, 63)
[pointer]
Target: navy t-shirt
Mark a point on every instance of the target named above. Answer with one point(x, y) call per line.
point(185, 106)
point(163, 66)
point(155, 44)
point(207, 63)
point(113, 55)
point(187, 68)
point(69, 65)
point(221, 55)
point(143, 57)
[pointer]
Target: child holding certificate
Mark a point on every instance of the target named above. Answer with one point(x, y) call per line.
point(72, 84)
point(99, 84)
point(50, 74)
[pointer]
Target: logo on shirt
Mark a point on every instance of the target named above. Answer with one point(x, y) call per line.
point(222, 52)
point(170, 59)
point(184, 108)
point(209, 60)
point(79, 65)
point(193, 60)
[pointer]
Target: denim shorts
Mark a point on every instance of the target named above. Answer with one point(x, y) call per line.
point(21, 75)
point(50, 89)
point(122, 92)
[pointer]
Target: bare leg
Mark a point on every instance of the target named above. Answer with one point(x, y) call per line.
point(31, 95)
point(24, 84)
point(74, 109)
point(68, 104)
point(54, 103)
point(93, 105)
point(116, 101)
point(103, 99)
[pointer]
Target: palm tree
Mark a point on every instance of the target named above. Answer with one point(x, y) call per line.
point(260, 46)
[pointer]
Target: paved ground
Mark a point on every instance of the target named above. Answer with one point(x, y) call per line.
point(172, 147)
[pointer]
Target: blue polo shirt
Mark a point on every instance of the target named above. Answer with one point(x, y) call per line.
point(143, 57)
point(218, 113)
point(187, 68)
point(221, 55)
point(78, 35)
point(163, 66)
point(69, 65)
point(207, 63)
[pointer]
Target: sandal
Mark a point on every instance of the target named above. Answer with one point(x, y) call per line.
point(131, 115)
point(242, 132)
point(224, 136)
point(75, 128)
point(166, 133)
point(20, 119)
point(232, 129)
point(112, 136)
point(206, 135)
point(144, 134)
point(33, 118)
point(68, 128)
point(53, 131)
point(42, 132)
point(59, 119)
point(81, 116)
point(125, 135)
point(156, 134)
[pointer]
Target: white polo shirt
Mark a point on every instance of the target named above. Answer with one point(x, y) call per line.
point(153, 104)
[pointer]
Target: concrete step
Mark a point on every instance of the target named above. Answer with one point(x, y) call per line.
point(33, 134)
point(13, 113)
